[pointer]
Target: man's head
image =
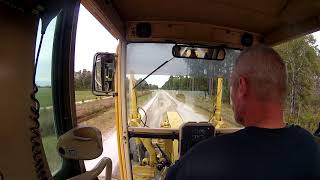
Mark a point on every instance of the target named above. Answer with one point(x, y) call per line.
point(258, 85)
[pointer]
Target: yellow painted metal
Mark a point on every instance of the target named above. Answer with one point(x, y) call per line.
point(175, 121)
point(143, 172)
point(148, 169)
point(118, 110)
point(134, 110)
point(169, 149)
point(135, 122)
point(217, 120)
point(218, 99)
point(219, 124)
point(147, 143)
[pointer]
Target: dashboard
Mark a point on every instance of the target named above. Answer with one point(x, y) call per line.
point(192, 133)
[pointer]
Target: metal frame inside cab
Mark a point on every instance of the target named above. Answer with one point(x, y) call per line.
point(166, 32)
point(62, 70)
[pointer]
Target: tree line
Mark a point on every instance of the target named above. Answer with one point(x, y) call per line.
point(82, 80)
point(302, 60)
point(142, 86)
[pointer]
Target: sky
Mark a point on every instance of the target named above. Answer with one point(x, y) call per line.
point(317, 36)
point(91, 38)
point(43, 76)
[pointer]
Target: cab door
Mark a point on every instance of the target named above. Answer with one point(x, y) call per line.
point(62, 80)
point(54, 80)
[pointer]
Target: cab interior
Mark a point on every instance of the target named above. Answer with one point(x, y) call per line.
point(226, 23)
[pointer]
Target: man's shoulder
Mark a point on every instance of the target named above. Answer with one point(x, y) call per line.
point(299, 133)
point(231, 149)
point(209, 151)
point(242, 138)
point(222, 139)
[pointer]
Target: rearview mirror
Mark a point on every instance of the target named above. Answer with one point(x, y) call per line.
point(103, 74)
point(198, 52)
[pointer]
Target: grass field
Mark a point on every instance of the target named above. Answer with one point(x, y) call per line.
point(44, 96)
point(53, 158)
point(84, 95)
point(46, 120)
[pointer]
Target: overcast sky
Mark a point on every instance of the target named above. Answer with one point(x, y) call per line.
point(91, 38)
point(317, 36)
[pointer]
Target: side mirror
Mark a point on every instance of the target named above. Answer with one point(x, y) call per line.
point(103, 74)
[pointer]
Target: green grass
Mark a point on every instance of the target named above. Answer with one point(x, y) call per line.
point(44, 96)
point(143, 98)
point(49, 139)
point(53, 158)
point(46, 120)
point(84, 95)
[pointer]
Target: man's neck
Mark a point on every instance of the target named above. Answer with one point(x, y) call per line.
point(264, 115)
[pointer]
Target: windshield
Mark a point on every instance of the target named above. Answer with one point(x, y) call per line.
point(183, 90)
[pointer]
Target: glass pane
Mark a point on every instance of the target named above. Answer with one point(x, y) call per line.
point(186, 89)
point(96, 111)
point(301, 56)
point(43, 80)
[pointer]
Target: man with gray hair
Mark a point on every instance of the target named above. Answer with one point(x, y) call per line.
point(258, 88)
point(266, 148)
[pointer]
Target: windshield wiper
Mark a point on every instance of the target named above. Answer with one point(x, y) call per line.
point(152, 72)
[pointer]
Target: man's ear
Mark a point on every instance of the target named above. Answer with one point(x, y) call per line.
point(242, 87)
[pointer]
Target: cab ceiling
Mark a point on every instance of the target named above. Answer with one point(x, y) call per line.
point(275, 20)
